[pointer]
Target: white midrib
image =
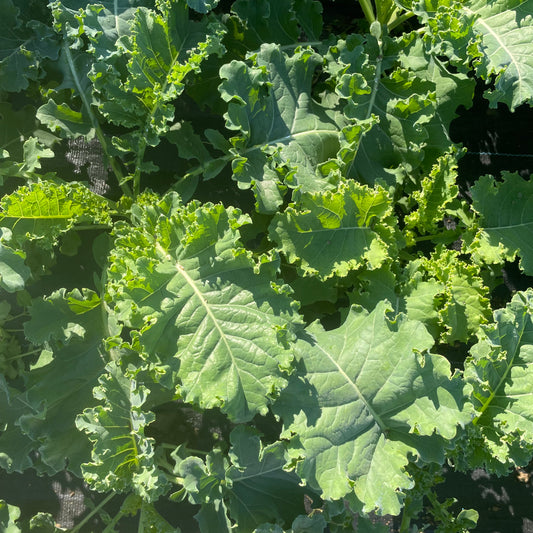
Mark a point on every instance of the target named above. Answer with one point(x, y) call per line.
point(208, 311)
point(371, 410)
point(499, 41)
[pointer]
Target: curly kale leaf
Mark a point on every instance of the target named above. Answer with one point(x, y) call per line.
point(202, 309)
point(366, 398)
point(331, 233)
point(500, 371)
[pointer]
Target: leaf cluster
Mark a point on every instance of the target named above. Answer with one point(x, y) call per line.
point(249, 298)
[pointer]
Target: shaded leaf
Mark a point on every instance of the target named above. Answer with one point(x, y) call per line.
point(261, 490)
point(122, 458)
point(500, 370)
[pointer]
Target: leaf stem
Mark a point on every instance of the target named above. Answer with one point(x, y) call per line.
point(446, 233)
point(14, 317)
point(93, 512)
point(399, 20)
point(405, 523)
point(88, 227)
point(368, 10)
point(21, 355)
point(375, 84)
point(94, 122)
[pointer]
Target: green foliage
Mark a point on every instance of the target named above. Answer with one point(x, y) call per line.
point(250, 318)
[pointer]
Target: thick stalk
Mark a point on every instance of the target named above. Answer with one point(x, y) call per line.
point(368, 10)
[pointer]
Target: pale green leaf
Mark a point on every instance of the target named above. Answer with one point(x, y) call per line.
point(367, 398)
point(437, 190)
point(506, 224)
point(43, 211)
point(376, 286)
point(446, 287)
point(202, 308)
point(334, 232)
point(506, 27)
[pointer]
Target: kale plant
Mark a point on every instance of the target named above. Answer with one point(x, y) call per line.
point(278, 254)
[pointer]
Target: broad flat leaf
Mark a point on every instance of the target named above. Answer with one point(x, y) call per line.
point(281, 126)
point(506, 27)
point(261, 490)
point(334, 232)
point(366, 398)
point(43, 211)
point(267, 21)
point(202, 308)
point(23, 46)
point(68, 122)
point(122, 458)
point(62, 316)
point(500, 370)
point(13, 272)
point(309, 16)
point(375, 286)
point(506, 224)
point(56, 392)
point(9, 514)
